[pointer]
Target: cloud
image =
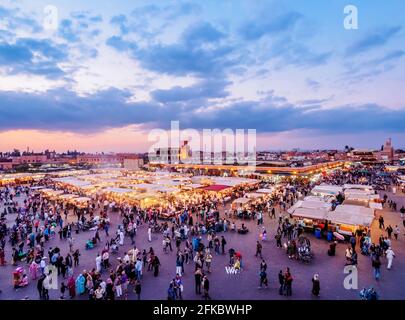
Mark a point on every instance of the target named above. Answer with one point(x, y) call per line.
point(369, 69)
point(254, 30)
point(206, 89)
point(199, 52)
point(377, 38)
point(30, 56)
point(15, 19)
point(62, 110)
point(312, 83)
point(121, 21)
point(292, 52)
point(202, 33)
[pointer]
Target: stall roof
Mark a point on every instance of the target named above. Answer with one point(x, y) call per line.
point(357, 186)
point(347, 215)
point(265, 190)
point(242, 200)
point(81, 199)
point(318, 214)
point(355, 210)
point(68, 196)
point(119, 190)
point(215, 187)
point(327, 189)
point(72, 181)
point(375, 205)
point(254, 195)
point(311, 205)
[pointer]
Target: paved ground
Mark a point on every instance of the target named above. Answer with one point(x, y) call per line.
point(245, 284)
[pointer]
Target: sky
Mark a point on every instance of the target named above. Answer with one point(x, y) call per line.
point(100, 75)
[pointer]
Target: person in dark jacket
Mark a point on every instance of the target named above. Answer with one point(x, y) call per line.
point(316, 287)
point(40, 286)
point(138, 289)
point(206, 286)
point(198, 278)
point(171, 293)
point(281, 282)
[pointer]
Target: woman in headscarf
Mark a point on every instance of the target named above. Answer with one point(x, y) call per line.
point(80, 284)
point(72, 287)
point(33, 270)
point(316, 287)
point(89, 282)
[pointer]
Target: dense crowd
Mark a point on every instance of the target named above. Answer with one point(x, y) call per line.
point(195, 236)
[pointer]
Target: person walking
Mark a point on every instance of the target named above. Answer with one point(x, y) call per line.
point(259, 250)
point(281, 282)
point(40, 286)
point(263, 279)
point(98, 263)
point(381, 222)
point(263, 265)
point(273, 213)
point(376, 264)
point(198, 279)
point(178, 265)
point(138, 289)
point(208, 260)
point(316, 287)
point(223, 244)
point(76, 255)
point(390, 257)
point(150, 234)
point(396, 232)
point(288, 282)
point(171, 292)
point(206, 286)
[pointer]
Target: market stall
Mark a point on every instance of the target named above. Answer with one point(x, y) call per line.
point(348, 218)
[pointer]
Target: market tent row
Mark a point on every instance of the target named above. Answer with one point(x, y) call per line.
point(72, 181)
point(227, 181)
point(51, 194)
point(358, 187)
point(327, 190)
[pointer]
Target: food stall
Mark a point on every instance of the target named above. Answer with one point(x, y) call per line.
point(241, 203)
point(80, 202)
point(349, 218)
point(310, 218)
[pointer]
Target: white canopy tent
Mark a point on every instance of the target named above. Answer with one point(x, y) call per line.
point(265, 190)
point(352, 215)
point(326, 190)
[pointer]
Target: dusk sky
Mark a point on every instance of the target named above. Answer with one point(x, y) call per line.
point(113, 70)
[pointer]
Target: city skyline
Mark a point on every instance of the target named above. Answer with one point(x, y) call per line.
point(109, 73)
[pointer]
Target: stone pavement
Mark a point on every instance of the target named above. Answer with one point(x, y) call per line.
point(245, 284)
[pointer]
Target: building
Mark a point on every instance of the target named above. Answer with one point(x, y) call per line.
point(133, 164)
point(6, 164)
point(105, 159)
point(387, 152)
point(33, 158)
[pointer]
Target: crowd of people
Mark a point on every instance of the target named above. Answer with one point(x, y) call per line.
point(30, 224)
